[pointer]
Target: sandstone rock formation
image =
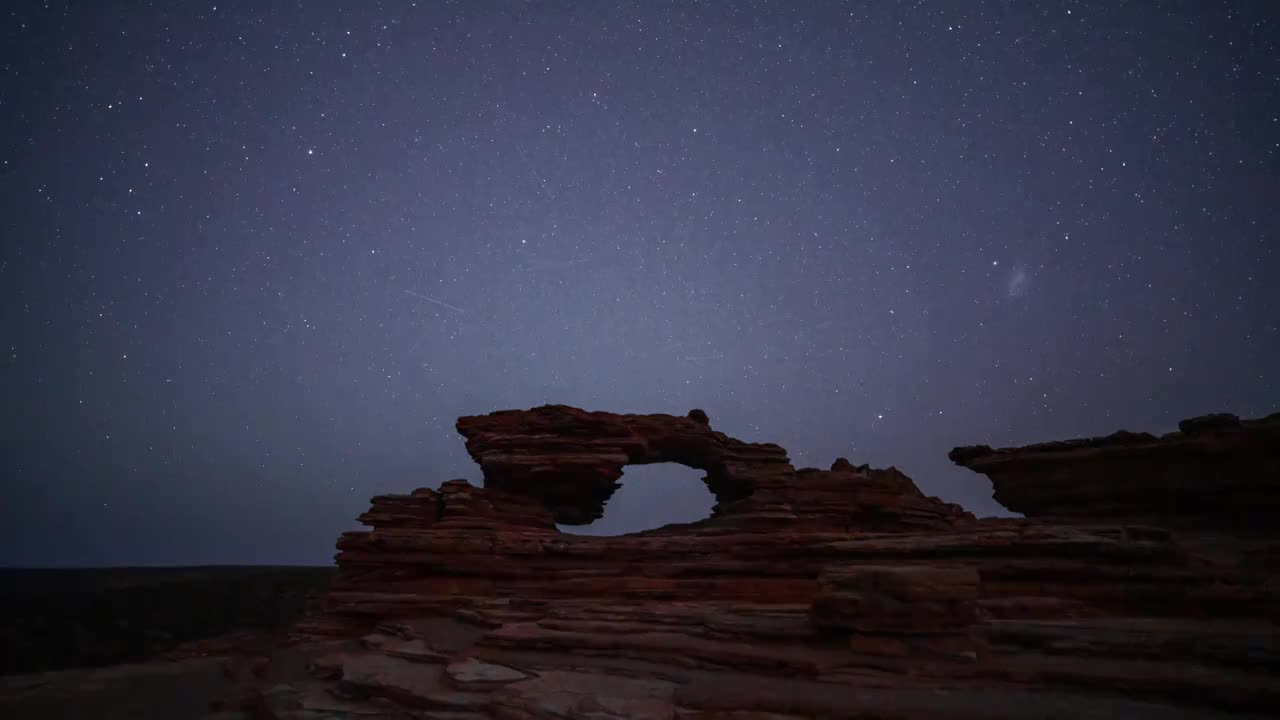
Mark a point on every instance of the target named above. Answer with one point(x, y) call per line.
point(808, 593)
point(1216, 472)
point(571, 459)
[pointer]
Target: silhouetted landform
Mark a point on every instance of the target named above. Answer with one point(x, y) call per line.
point(808, 593)
point(56, 619)
point(1215, 472)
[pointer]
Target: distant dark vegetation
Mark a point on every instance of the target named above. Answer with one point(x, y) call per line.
point(57, 619)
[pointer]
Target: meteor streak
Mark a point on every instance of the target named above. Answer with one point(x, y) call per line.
point(431, 299)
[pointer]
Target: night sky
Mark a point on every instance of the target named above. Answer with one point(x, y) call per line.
point(258, 257)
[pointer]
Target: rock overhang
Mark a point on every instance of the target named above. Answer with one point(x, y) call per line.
point(1214, 471)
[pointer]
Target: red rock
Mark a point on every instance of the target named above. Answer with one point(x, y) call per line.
point(326, 667)
point(912, 600)
point(902, 611)
point(1216, 472)
point(406, 683)
point(260, 667)
point(472, 673)
point(845, 577)
point(571, 459)
point(598, 696)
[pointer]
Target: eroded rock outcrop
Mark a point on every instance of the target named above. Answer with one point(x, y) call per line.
point(571, 459)
point(806, 587)
point(1216, 472)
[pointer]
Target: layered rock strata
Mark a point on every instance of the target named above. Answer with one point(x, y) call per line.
point(901, 611)
point(1216, 472)
point(804, 591)
point(571, 459)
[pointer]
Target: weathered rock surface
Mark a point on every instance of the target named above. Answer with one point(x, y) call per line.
point(808, 593)
point(571, 459)
point(1216, 472)
point(909, 611)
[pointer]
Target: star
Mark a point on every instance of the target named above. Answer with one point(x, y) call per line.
point(863, 229)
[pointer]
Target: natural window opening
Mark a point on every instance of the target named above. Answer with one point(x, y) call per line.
point(651, 496)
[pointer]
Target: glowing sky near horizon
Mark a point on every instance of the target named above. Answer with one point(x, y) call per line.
point(258, 257)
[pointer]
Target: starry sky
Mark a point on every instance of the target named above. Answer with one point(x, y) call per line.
point(258, 257)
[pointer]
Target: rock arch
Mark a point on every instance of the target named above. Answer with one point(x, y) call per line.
point(571, 459)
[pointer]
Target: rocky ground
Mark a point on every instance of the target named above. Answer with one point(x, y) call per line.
point(838, 593)
point(440, 670)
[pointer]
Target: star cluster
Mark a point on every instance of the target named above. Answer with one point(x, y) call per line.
point(258, 257)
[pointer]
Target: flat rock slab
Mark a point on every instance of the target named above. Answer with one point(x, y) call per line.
point(477, 673)
point(416, 650)
point(407, 683)
point(559, 694)
point(317, 699)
